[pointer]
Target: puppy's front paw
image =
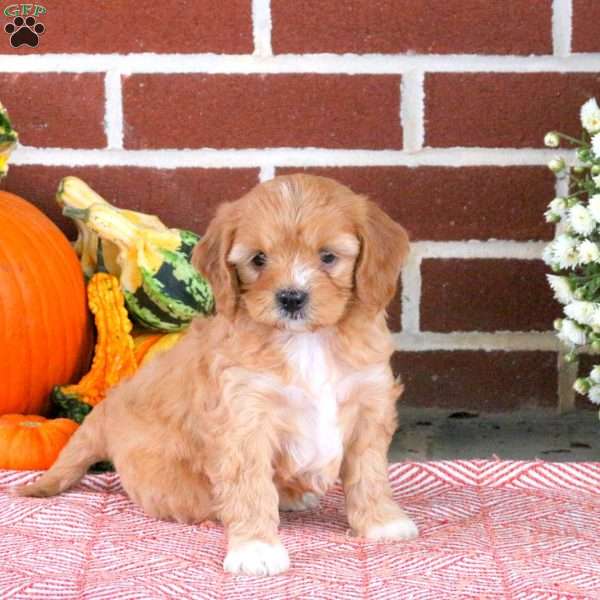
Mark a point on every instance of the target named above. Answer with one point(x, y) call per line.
point(307, 501)
point(398, 529)
point(257, 558)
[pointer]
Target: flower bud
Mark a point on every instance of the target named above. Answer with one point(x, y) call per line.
point(551, 139)
point(584, 155)
point(557, 165)
point(596, 170)
point(582, 386)
point(571, 201)
point(595, 345)
point(558, 323)
point(579, 294)
point(578, 170)
point(571, 357)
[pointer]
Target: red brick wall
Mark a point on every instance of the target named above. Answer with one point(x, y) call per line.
point(436, 109)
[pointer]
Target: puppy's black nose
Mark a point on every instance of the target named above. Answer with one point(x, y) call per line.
point(291, 300)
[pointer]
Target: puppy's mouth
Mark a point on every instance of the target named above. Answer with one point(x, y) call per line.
point(298, 324)
point(297, 315)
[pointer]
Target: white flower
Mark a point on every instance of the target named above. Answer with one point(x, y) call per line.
point(588, 252)
point(561, 288)
point(558, 206)
point(581, 311)
point(551, 140)
point(594, 207)
point(594, 394)
point(596, 145)
point(565, 252)
point(572, 333)
point(595, 374)
point(581, 219)
point(590, 116)
point(596, 180)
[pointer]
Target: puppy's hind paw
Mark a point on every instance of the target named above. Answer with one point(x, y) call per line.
point(398, 529)
point(34, 490)
point(307, 501)
point(257, 558)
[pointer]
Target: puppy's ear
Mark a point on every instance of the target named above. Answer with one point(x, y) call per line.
point(210, 259)
point(384, 247)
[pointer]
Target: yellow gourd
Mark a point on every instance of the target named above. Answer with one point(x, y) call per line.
point(114, 355)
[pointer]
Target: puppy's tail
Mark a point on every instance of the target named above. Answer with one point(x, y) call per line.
point(86, 447)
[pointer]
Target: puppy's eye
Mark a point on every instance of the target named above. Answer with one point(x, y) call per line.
point(328, 258)
point(259, 259)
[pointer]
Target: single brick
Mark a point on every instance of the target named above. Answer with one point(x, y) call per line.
point(185, 197)
point(127, 26)
point(486, 295)
point(503, 109)
point(586, 15)
point(56, 110)
point(444, 203)
point(478, 380)
point(426, 26)
point(257, 111)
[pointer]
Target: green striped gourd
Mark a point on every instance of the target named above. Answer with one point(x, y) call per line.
point(162, 290)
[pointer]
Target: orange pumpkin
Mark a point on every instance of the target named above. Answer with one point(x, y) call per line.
point(31, 442)
point(45, 333)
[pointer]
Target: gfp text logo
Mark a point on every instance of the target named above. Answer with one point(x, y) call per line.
point(25, 29)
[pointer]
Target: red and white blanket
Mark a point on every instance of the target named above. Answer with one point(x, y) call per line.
point(489, 529)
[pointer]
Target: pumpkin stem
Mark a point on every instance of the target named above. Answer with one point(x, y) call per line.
point(8, 140)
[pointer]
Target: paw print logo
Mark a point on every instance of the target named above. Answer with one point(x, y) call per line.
point(24, 32)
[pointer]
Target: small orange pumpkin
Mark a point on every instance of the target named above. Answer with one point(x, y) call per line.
point(31, 442)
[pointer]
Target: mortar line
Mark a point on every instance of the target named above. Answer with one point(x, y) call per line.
point(509, 341)
point(113, 110)
point(262, 61)
point(261, 27)
point(566, 372)
point(266, 172)
point(412, 110)
point(411, 292)
point(562, 17)
point(285, 157)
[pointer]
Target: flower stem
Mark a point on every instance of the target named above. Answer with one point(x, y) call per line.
point(571, 139)
point(578, 193)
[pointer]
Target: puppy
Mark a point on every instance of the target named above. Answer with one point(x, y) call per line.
point(285, 389)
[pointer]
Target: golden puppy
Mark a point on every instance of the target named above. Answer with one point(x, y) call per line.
point(288, 387)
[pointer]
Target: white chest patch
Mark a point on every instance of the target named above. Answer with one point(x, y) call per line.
point(312, 400)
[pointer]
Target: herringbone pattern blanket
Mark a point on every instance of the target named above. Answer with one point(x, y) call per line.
point(489, 529)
